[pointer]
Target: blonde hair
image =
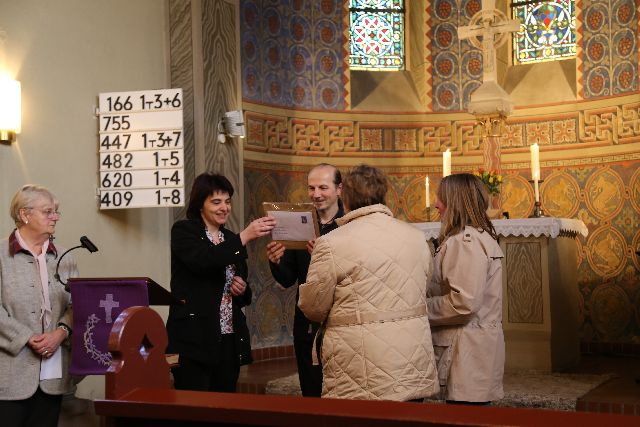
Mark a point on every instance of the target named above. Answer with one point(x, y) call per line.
point(466, 199)
point(26, 197)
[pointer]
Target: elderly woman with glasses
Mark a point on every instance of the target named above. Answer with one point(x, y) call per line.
point(35, 314)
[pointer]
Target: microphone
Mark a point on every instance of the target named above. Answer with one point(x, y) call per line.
point(88, 244)
point(84, 243)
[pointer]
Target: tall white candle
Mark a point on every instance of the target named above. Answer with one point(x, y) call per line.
point(535, 169)
point(426, 191)
point(446, 163)
point(535, 161)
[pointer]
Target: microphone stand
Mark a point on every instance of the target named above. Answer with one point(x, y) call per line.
point(56, 275)
point(84, 243)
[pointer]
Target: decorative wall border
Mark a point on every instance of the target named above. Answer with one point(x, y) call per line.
point(400, 137)
point(346, 70)
point(579, 50)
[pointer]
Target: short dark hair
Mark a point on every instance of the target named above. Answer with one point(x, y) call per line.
point(337, 176)
point(364, 186)
point(204, 186)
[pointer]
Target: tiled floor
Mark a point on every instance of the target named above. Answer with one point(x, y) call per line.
point(619, 395)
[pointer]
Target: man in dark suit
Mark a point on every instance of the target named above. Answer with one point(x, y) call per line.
point(289, 267)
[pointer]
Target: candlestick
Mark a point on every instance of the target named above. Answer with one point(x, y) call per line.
point(426, 192)
point(537, 207)
point(446, 163)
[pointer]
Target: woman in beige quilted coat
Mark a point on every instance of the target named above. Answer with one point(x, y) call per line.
point(367, 284)
point(465, 295)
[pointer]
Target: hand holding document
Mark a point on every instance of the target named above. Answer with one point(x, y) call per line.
point(296, 223)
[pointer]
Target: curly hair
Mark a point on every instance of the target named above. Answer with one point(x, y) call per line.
point(363, 186)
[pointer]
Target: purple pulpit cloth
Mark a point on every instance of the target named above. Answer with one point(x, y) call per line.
point(96, 306)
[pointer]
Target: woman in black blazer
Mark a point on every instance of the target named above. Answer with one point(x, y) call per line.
point(209, 273)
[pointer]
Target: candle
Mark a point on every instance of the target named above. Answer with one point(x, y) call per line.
point(535, 161)
point(446, 163)
point(426, 191)
point(535, 169)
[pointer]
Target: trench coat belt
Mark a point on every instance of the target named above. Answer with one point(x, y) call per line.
point(376, 317)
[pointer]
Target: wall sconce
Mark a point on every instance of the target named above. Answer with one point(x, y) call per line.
point(10, 107)
point(492, 126)
point(232, 124)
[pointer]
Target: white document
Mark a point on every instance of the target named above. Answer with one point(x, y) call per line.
point(51, 368)
point(293, 226)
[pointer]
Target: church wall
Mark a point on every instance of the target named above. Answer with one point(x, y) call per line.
point(609, 50)
point(457, 65)
point(590, 145)
point(292, 53)
point(65, 53)
point(590, 158)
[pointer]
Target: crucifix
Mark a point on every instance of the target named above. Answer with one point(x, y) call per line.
point(108, 304)
point(489, 29)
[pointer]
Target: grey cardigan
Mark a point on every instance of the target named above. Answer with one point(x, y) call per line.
point(20, 300)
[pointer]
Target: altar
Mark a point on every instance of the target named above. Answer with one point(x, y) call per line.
point(540, 312)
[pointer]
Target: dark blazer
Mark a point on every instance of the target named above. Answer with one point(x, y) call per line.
point(198, 278)
point(293, 268)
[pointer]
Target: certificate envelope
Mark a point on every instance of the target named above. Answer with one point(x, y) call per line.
point(293, 226)
point(296, 223)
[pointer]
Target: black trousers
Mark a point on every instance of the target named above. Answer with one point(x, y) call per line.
point(220, 376)
point(310, 376)
point(39, 410)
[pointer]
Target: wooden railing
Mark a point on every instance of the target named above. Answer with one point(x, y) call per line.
point(138, 393)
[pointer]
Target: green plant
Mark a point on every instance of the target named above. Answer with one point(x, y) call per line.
point(490, 178)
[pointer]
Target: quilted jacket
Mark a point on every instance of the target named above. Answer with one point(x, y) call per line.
point(465, 311)
point(367, 283)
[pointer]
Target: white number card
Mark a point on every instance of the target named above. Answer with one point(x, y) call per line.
point(141, 149)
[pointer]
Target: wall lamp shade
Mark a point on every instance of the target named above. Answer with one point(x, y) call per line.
point(232, 124)
point(10, 107)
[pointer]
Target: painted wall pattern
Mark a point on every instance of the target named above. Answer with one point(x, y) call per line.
point(618, 124)
point(292, 53)
point(601, 190)
point(609, 37)
point(456, 64)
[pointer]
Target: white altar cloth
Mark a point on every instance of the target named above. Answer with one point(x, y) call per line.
point(548, 226)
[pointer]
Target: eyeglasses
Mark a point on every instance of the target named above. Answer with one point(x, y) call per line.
point(49, 213)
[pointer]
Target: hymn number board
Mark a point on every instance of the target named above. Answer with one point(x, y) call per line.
point(141, 149)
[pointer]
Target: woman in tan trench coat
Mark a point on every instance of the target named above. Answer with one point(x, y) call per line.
point(465, 295)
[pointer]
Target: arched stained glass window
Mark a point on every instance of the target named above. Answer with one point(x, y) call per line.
point(377, 34)
point(548, 31)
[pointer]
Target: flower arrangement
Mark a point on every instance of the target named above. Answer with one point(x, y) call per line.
point(490, 178)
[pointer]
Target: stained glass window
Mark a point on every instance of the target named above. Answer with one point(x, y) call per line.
point(377, 34)
point(548, 31)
